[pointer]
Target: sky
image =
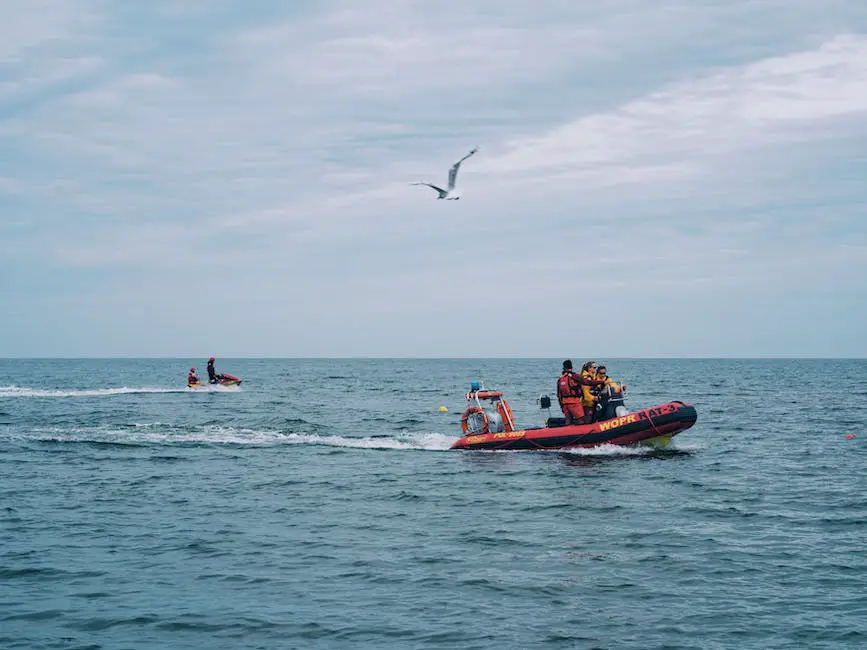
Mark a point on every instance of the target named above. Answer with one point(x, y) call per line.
point(654, 178)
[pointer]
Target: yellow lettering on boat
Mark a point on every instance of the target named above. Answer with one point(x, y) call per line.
point(617, 422)
point(509, 434)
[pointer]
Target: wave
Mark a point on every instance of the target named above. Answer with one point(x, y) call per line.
point(141, 434)
point(675, 447)
point(608, 450)
point(232, 436)
point(158, 434)
point(17, 391)
point(407, 441)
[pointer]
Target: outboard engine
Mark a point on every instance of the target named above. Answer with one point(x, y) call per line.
point(611, 403)
point(544, 402)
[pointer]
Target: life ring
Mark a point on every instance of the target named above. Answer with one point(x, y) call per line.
point(485, 422)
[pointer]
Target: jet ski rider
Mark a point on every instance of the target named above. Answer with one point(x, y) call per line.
point(213, 377)
point(192, 378)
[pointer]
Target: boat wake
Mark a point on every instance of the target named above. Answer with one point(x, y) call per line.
point(607, 450)
point(408, 441)
point(159, 434)
point(18, 391)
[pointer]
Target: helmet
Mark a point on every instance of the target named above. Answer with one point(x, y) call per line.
point(211, 359)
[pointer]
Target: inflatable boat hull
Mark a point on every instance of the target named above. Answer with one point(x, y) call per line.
point(654, 426)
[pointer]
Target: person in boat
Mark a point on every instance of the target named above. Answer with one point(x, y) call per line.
point(570, 387)
point(568, 394)
point(611, 390)
point(589, 382)
point(602, 375)
point(192, 378)
point(213, 377)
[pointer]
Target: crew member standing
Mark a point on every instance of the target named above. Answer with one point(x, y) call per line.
point(212, 374)
point(569, 394)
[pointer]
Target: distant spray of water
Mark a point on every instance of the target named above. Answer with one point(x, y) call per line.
point(17, 391)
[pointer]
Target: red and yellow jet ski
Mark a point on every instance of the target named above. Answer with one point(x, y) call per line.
point(224, 379)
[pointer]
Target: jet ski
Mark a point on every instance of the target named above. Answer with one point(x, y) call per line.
point(223, 379)
point(488, 423)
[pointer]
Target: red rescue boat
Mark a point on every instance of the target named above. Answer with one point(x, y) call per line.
point(492, 426)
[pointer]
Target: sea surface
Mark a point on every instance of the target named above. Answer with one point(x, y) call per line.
point(319, 506)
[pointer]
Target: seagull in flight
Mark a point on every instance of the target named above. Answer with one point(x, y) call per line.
point(453, 176)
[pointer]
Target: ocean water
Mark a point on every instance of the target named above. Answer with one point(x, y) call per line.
point(318, 506)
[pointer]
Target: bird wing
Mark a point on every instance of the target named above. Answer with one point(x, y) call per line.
point(453, 172)
point(440, 190)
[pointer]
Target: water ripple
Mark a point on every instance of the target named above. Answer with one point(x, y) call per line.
point(318, 507)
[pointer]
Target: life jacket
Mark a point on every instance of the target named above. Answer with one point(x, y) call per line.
point(192, 379)
point(605, 392)
point(596, 390)
point(587, 394)
point(566, 392)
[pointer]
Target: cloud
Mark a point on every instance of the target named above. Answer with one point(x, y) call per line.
point(689, 147)
point(34, 24)
point(678, 136)
point(742, 108)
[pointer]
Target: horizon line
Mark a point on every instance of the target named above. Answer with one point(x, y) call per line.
point(433, 358)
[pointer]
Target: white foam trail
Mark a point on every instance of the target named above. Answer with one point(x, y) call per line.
point(150, 433)
point(632, 450)
point(418, 441)
point(609, 450)
point(142, 433)
point(232, 436)
point(17, 391)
